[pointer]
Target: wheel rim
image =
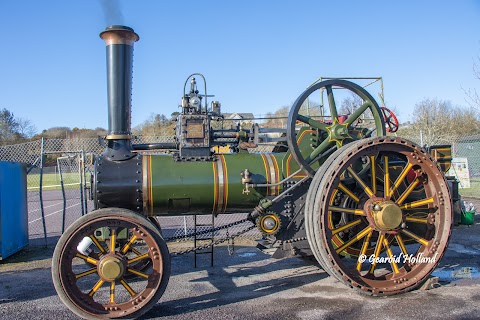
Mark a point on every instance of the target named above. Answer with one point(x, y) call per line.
point(340, 131)
point(389, 217)
point(108, 282)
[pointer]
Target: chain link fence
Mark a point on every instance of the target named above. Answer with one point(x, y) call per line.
point(59, 182)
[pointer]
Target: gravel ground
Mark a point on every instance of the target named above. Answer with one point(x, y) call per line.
point(251, 285)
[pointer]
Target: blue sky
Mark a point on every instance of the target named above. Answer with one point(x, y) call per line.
point(256, 55)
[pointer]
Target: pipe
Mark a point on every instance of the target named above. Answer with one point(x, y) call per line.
point(155, 146)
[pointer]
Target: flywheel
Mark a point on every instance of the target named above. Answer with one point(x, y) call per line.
point(336, 126)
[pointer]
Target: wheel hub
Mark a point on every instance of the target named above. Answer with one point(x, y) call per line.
point(111, 268)
point(338, 132)
point(386, 215)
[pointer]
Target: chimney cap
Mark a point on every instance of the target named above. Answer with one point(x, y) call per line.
point(117, 34)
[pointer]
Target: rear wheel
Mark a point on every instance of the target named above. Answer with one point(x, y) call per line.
point(378, 216)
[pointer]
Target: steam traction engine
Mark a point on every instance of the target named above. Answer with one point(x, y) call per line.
point(341, 191)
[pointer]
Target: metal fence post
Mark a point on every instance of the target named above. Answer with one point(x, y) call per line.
point(64, 209)
point(40, 193)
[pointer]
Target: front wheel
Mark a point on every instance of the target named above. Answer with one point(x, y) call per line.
point(101, 280)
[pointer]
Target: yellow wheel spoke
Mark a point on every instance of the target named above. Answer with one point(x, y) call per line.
point(365, 188)
point(376, 253)
point(418, 220)
point(96, 287)
point(113, 239)
point(390, 255)
point(112, 292)
point(386, 182)
point(86, 273)
point(348, 192)
point(400, 178)
point(88, 259)
point(407, 192)
point(359, 236)
point(346, 226)
point(138, 253)
point(373, 174)
point(141, 257)
point(138, 273)
point(417, 203)
point(358, 212)
point(401, 244)
point(128, 244)
point(415, 237)
point(97, 243)
point(128, 288)
point(366, 243)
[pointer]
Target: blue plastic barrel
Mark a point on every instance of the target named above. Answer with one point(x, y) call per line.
point(13, 208)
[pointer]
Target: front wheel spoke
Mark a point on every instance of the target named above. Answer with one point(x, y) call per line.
point(128, 244)
point(401, 177)
point(138, 273)
point(87, 259)
point(415, 237)
point(346, 226)
point(357, 113)
point(331, 103)
point(311, 122)
point(417, 203)
point(348, 192)
point(390, 255)
point(366, 243)
point(407, 192)
point(400, 243)
point(112, 292)
point(141, 257)
point(365, 188)
point(85, 273)
point(113, 236)
point(357, 212)
point(376, 253)
point(358, 237)
point(127, 287)
point(97, 243)
point(96, 287)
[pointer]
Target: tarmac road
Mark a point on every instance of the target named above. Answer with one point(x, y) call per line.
point(251, 285)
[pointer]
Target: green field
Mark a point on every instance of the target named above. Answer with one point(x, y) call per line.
point(51, 181)
point(473, 191)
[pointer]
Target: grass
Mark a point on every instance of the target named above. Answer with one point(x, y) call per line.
point(473, 191)
point(51, 181)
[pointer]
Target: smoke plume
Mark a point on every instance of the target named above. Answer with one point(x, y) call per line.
point(112, 12)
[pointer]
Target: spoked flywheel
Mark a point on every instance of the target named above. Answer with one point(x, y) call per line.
point(378, 215)
point(334, 128)
point(111, 263)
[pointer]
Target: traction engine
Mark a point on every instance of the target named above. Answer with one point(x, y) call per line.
point(375, 211)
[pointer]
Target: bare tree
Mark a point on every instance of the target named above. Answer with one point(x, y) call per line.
point(473, 97)
point(26, 128)
point(439, 122)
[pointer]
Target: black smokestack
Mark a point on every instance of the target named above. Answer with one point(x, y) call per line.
point(119, 41)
